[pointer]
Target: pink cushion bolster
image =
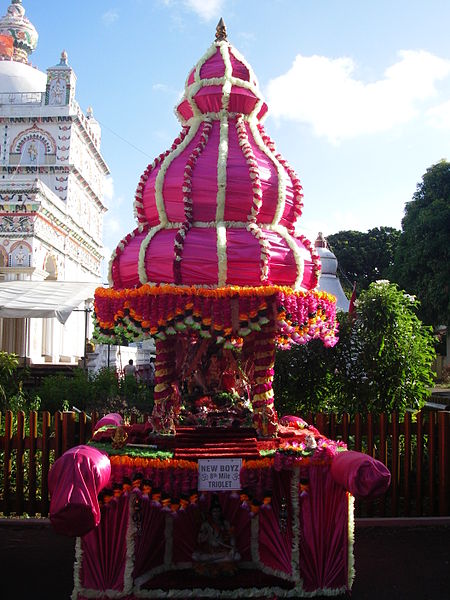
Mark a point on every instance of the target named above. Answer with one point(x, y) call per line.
point(361, 475)
point(74, 482)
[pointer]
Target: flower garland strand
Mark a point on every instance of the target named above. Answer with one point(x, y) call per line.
point(173, 154)
point(187, 200)
point(281, 201)
point(296, 185)
point(117, 252)
point(300, 316)
point(252, 226)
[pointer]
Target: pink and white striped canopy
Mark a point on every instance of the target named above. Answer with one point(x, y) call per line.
point(219, 208)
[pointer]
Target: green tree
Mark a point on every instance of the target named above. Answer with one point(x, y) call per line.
point(382, 361)
point(9, 364)
point(364, 257)
point(422, 260)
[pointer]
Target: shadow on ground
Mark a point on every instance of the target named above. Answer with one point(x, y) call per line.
point(403, 563)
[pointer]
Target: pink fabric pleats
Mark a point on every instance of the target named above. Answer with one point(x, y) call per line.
point(104, 548)
point(275, 541)
point(150, 543)
point(323, 532)
point(243, 257)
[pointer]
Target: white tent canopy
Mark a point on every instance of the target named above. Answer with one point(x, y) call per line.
point(43, 299)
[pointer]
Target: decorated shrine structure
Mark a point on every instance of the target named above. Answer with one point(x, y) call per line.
point(214, 497)
point(215, 270)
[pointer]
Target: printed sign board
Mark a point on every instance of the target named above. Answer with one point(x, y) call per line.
point(219, 474)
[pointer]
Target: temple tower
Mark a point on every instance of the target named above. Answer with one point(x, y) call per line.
point(51, 186)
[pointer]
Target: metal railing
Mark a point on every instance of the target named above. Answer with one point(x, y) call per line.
point(9, 98)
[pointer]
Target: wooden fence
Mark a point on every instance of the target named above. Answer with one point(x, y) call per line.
point(417, 452)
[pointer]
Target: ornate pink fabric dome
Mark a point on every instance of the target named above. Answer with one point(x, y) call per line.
point(219, 208)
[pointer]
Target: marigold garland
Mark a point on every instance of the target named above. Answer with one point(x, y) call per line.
point(165, 310)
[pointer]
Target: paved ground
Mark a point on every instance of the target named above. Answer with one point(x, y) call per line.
point(399, 563)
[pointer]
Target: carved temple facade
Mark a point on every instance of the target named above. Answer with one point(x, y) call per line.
point(52, 178)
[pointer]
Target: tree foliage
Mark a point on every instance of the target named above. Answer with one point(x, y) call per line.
point(382, 361)
point(422, 260)
point(9, 364)
point(364, 257)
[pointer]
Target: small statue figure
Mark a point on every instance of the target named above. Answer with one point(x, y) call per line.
point(216, 553)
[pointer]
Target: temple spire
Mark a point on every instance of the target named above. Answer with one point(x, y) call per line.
point(221, 31)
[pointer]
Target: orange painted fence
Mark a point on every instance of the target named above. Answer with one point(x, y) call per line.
point(416, 450)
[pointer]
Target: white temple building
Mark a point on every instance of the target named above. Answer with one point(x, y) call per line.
point(329, 281)
point(52, 177)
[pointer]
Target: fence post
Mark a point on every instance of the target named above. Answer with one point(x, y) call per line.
point(321, 423)
point(20, 437)
point(7, 463)
point(58, 433)
point(431, 460)
point(419, 463)
point(444, 463)
point(45, 446)
point(358, 432)
point(345, 428)
point(394, 466)
point(32, 438)
point(82, 421)
point(68, 431)
point(382, 454)
point(407, 463)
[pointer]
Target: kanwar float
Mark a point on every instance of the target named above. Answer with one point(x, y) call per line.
point(214, 496)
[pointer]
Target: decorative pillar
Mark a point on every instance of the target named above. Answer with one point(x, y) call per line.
point(166, 394)
point(265, 418)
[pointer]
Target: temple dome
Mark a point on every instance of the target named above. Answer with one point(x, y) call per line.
point(329, 280)
point(23, 32)
point(18, 77)
point(220, 207)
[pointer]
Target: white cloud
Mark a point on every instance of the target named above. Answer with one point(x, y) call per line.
point(206, 9)
point(439, 116)
point(110, 16)
point(108, 189)
point(325, 93)
point(160, 87)
point(112, 225)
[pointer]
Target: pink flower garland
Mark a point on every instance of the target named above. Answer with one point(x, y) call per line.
point(252, 226)
point(296, 185)
point(114, 270)
point(187, 200)
point(138, 206)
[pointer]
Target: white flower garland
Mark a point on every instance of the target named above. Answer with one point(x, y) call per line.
point(187, 198)
point(77, 569)
point(351, 539)
point(281, 202)
point(142, 273)
point(295, 560)
point(254, 540)
point(226, 82)
point(222, 265)
point(296, 185)
point(222, 170)
point(118, 251)
point(300, 263)
point(138, 207)
point(227, 76)
point(130, 545)
point(252, 226)
point(159, 183)
point(314, 256)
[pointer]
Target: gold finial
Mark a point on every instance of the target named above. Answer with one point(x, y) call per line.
point(221, 31)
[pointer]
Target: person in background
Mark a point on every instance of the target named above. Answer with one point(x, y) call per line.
point(129, 369)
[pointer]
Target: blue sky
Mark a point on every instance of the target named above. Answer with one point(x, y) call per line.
point(358, 91)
